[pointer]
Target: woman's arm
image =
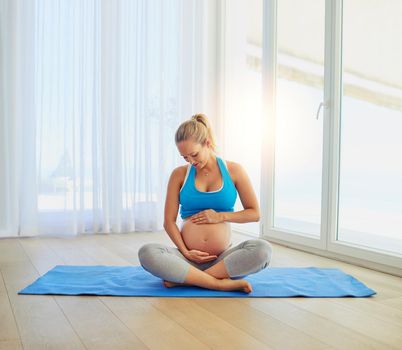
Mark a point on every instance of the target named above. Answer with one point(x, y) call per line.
point(251, 211)
point(241, 216)
point(171, 210)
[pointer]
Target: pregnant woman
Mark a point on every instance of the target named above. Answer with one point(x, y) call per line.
point(205, 191)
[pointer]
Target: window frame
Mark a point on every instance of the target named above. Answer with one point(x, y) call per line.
point(326, 244)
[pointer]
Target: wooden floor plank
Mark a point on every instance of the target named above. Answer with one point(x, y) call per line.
point(395, 303)
point(368, 325)
point(155, 329)
point(10, 345)
point(316, 325)
point(204, 325)
point(119, 246)
point(3, 290)
point(101, 255)
point(40, 321)
point(9, 335)
point(371, 308)
point(10, 252)
point(42, 257)
point(261, 326)
point(68, 252)
point(96, 325)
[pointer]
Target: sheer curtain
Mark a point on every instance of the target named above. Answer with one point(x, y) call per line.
point(91, 93)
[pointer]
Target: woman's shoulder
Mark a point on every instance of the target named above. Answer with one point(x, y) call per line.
point(235, 169)
point(179, 173)
point(232, 166)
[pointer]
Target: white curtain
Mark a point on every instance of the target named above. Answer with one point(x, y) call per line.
point(91, 93)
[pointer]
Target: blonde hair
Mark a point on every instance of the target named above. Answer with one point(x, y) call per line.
point(198, 129)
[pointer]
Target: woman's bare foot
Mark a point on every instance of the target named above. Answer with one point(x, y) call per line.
point(225, 284)
point(169, 284)
point(228, 284)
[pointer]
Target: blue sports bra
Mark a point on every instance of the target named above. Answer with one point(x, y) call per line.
point(193, 201)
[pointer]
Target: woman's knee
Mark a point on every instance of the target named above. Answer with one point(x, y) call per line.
point(163, 262)
point(262, 251)
point(148, 252)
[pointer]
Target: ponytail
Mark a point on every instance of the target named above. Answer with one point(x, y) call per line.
point(198, 129)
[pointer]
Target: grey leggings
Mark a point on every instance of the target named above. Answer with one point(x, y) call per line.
point(169, 263)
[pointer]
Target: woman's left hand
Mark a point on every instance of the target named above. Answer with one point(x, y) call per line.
point(208, 216)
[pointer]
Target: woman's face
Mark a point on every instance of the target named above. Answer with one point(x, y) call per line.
point(194, 153)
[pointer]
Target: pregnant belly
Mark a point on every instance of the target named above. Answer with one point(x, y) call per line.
point(210, 238)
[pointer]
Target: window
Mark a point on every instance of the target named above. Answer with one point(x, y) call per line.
point(334, 182)
point(298, 133)
point(370, 197)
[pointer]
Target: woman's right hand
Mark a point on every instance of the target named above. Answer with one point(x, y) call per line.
point(199, 256)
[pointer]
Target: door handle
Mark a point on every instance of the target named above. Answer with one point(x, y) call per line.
point(322, 104)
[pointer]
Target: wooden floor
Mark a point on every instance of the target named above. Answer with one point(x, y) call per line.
point(84, 322)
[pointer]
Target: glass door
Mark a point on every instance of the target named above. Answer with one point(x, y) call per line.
point(370, 186)
point(298, 131)
point(334, 112)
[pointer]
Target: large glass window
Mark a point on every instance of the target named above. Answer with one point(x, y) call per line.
point(341, 166)
point(370, 198)
point(298, 134)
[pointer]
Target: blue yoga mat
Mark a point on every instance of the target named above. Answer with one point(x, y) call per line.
point(135, 281)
